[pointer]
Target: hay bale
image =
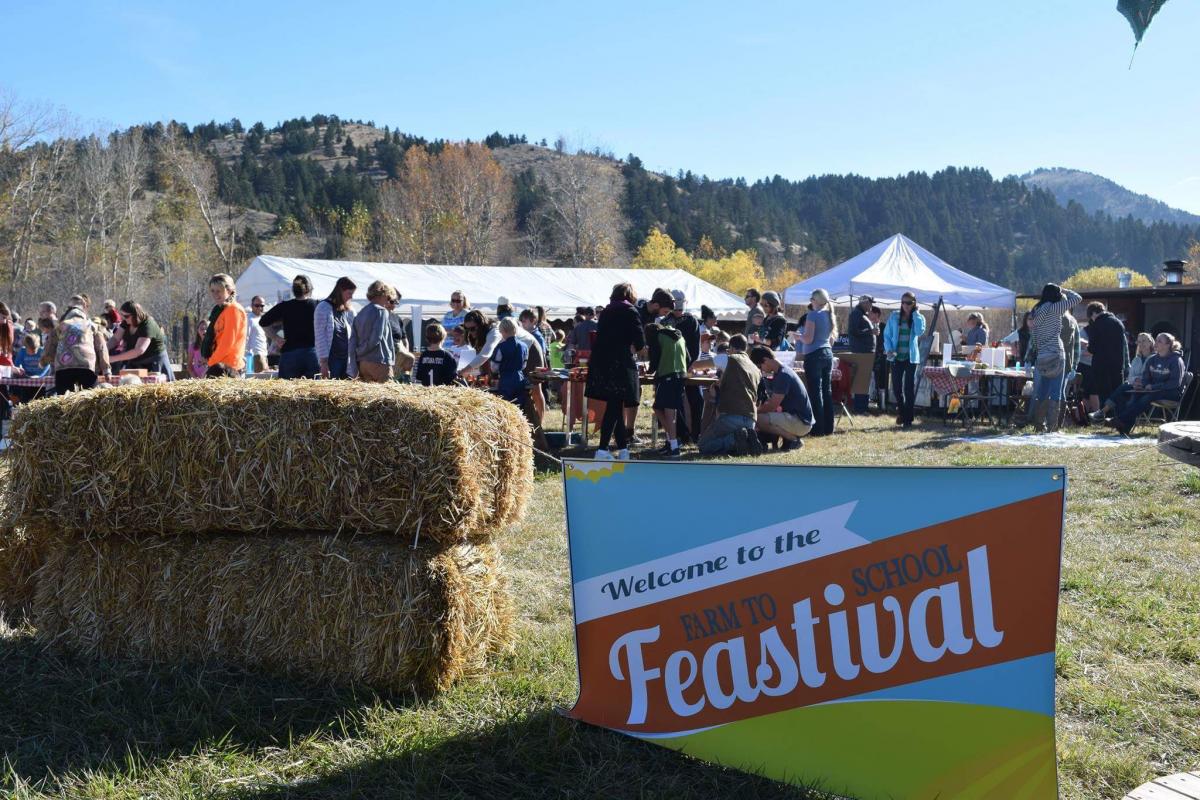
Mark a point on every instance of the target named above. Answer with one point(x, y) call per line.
point(363, 609)
point(21, 554)
point(258, 456)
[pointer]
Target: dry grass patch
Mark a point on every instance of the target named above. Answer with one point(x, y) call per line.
point(1127, 675)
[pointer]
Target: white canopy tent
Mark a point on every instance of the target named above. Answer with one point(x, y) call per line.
point(897, 265)
point(559, 290)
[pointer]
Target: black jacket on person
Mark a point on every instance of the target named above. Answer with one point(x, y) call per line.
point(296, 315)
point(1024, 335)
point(776, 334)
point(1106, 341)
point(862, 334)
point(612, 365)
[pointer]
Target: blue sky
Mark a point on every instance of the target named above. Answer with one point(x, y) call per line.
point(753, 89)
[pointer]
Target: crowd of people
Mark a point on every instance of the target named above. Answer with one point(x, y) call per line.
point(759, 399)
point(1118, 390)
point(77, 347)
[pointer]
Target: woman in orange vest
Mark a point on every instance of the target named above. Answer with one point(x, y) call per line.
point(225, 340)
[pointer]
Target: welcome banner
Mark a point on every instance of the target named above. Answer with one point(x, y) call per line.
point(878, 632)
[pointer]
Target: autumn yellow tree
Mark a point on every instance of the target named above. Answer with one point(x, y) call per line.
point(659, 251)
point(1191, 272)
point(733, 272)
point(1102, 277)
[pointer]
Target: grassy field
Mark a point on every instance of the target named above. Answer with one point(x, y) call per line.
point(1128, 666)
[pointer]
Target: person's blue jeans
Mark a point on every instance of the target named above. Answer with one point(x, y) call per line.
point(339, 368)
point(719, 437)
point(299, 363)
point(164, 366)
point(1047, 388)
point(1128, 413)
point(904, 387)
point(818, 372)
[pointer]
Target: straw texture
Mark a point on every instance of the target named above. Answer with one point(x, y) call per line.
point(259, 456)
point(347, 610)
point(21, 553)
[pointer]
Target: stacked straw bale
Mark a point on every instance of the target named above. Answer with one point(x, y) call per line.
point(258, 456)
point(269, 525)
point(21, 553)
point(318, 606)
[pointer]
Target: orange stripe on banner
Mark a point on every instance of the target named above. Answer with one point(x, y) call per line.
point(826, 629)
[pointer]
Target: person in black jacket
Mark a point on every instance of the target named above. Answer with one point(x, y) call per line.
point(774, 322)
point(686, 323)
point(881, 365)
point(1024, 336)
point(299, 356)
point(1110, 353)
point(612, 370)
point(863, 333)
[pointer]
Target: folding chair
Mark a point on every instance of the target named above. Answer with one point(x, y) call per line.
point(1168, 410)
point(973, 406)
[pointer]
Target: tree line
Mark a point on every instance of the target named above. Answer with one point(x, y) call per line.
point(147, 213)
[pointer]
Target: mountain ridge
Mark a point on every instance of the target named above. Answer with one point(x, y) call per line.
point(1098, 193)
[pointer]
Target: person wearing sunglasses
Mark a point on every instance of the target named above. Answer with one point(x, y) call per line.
point(901, 338)
point(458, 310)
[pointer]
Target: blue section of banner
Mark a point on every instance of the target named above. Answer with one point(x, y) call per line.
point(1026, 684)
point(681, 506)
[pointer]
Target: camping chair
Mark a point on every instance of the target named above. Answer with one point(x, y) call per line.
point(842, 386)
point(1167, 410)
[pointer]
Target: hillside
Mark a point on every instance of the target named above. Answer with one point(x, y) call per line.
point(1005, 230)
point(156, 208)
point(1097, 193)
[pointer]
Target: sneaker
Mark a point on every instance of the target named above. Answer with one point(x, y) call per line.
point(792, 444)
point(754, 445)
point(602, 455)
point(672, 454)
point(635, 439)
point(623, 455)
point(1097, 416)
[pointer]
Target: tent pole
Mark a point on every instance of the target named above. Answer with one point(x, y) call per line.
point(949, 332)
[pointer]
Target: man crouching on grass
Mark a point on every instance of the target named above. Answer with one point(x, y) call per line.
point(787, 412)
point(737, 407)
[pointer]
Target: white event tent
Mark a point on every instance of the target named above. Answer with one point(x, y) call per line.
point(560, 290)
point(897, 265)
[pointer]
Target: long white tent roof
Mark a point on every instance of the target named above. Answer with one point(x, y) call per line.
point(897, 265)
point(560, 290)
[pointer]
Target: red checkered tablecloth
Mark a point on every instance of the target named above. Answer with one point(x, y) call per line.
point(946, 383)
point(48, 381)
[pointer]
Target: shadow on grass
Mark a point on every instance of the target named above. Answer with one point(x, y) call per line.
point(537, 755)
point(62, 714)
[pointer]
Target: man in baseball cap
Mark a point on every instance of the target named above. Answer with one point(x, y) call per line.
point(862, 332)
